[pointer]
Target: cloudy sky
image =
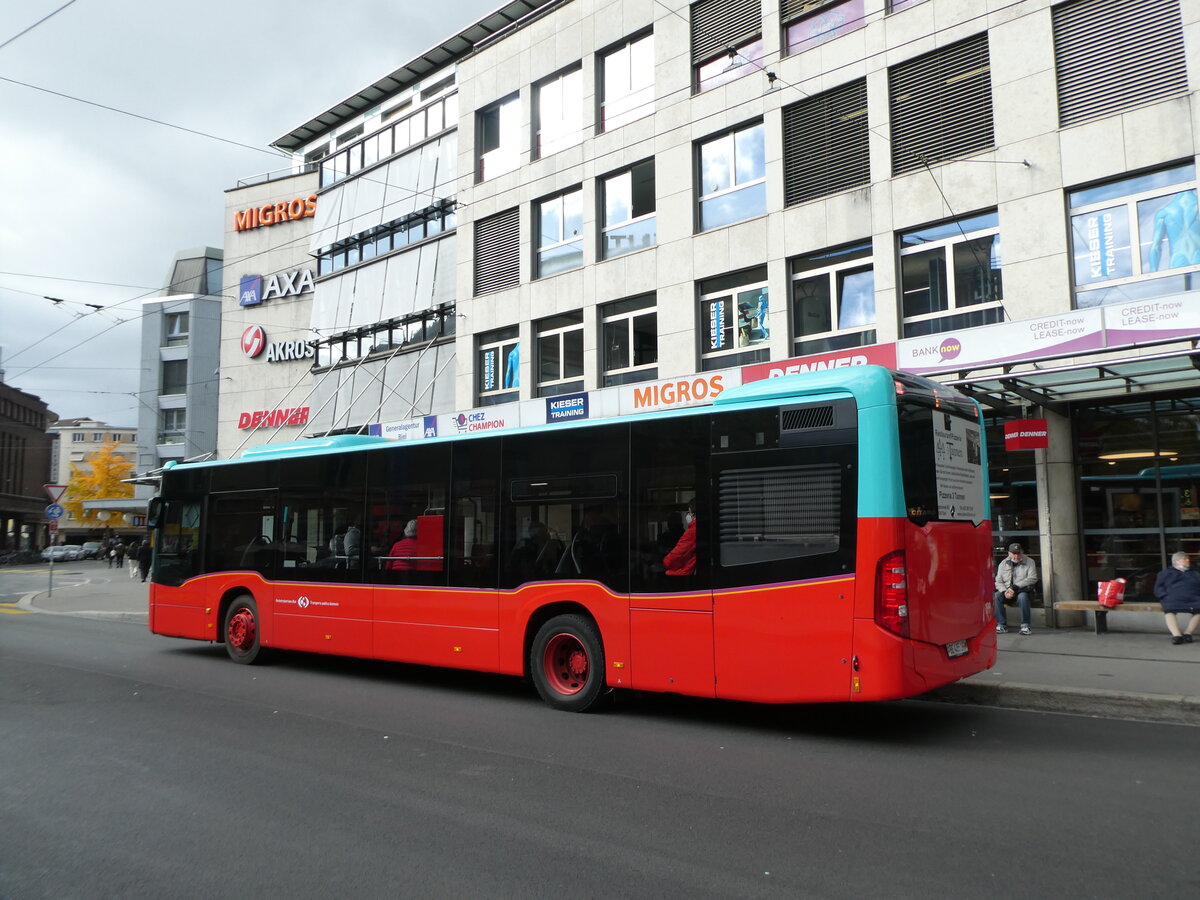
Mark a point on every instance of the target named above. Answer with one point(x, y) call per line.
point(94, 203)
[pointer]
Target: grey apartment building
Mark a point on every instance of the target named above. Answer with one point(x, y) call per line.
point(608, 199)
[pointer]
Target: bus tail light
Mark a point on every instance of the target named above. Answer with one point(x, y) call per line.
point(891, 594)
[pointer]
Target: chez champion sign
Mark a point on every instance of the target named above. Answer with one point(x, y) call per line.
point(254, 342)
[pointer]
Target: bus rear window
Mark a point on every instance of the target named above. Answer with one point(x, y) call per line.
point(941, 459)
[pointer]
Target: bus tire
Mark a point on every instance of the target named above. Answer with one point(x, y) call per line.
point(241, 630)
point(566, 661)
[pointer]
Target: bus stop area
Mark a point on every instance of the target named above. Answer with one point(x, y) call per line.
point(1124, 674)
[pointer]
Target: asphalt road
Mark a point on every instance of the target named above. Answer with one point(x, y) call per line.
point(133, 765)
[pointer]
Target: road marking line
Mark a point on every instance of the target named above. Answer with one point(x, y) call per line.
point(13, 611)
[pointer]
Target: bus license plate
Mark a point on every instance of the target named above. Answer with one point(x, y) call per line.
point(957, 648)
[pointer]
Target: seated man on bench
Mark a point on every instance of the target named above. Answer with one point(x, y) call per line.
point(1015, 579)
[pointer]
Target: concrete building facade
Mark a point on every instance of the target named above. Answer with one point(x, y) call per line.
point(1000, 194)
point(26, 463)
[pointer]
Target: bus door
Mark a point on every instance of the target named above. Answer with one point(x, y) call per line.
point(671, 602)
point(785, 494)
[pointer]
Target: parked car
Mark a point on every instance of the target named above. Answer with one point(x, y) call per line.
point(91, 550)
point(62, 552)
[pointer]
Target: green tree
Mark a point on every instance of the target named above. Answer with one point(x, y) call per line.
point(102, 481)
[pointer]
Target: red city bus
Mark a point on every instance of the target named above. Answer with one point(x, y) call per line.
point(818, 537)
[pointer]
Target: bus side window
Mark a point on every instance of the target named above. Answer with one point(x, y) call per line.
point(321, 521)
point(406, 515)
point(473, 513)
point(670, 480)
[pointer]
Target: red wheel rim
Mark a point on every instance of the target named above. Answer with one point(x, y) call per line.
point(566, 664)
point(242, 630)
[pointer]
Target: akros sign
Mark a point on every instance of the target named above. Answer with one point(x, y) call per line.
point(254, 341)
point(275, 213)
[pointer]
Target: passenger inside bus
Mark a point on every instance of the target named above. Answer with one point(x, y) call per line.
point(681, 560)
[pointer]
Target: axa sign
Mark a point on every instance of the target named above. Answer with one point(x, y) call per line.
point(254, 339)
point(257, 288)
point(275, 213)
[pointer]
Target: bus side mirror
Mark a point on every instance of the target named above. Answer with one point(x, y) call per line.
point(154, 511)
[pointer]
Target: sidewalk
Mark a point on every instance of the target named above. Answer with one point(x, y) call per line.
point(1121, 675)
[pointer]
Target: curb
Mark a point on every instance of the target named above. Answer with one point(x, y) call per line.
point(1170, 709)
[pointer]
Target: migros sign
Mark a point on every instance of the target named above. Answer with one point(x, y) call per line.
point(275, 213)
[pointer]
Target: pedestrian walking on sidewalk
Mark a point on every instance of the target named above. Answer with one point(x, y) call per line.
point(1178, 589)
point(143, 556)
point(132, 557)
point(1016, 577)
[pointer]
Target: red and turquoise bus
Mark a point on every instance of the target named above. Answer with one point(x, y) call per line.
point(818, 537)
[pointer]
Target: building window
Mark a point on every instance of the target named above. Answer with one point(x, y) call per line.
point(734, 321)
point(733, 177)
point(558, 109)
point(810, 23)
point(176, 329)
point(825, 144)
point(560, 354)
point(98, 437)
point(726, 41)
point(950, 275)
point(395, 235)
point(497, 252)
point(951, 87)
point(174, 423)
point(1112, 55)
point(404, 334)
point(499, 366)
point(78, 437)
point(629, 220)
point(629, 340)
point(833, 300)
point(497, 130)
point(1125, 232)
point(559, 233)
point(627, 83)
point(174, 376)
point(897, 5)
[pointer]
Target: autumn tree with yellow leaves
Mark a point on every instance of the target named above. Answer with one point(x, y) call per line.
point(103, 480)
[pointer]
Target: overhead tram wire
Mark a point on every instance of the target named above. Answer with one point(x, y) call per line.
point(30, 28)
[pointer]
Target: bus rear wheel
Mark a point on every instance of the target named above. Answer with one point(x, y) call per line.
point(242, 630)
point(566, 661)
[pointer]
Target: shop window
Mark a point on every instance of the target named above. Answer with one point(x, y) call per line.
point(559, 233)
point(833, 300)
point(732, 177)
point(1112, 55)
point(558, 109)
point(627, 82)
point(629, 340)
point(628, 202)
point(726, 40)
point(950, 275)
point(1012, 489)
point(497, 129)
point(1140, 491)
point(825, 144)
point(734, 320)
point(560, 354)
point(499, 367)
point(810, 23)
point(497, 252)
point(1126, 232)
point(951, 86)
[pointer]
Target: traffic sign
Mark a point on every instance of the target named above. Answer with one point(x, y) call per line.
point(54, 511)
point(55, 491)
point(54, 526)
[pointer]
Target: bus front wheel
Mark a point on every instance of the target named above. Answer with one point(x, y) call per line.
point(566, 661)
point(242, 630)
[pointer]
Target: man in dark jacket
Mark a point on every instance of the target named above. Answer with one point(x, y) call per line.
point(145, 554)
point(1015, 579)
point(1178, 589)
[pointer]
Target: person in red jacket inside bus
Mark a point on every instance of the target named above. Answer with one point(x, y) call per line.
point(682, 558)
point(405, 549)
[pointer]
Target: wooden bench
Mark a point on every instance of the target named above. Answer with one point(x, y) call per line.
point(1103, 611)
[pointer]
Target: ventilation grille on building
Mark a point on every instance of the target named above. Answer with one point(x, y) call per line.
point(1112, 55)
point(825, 147)
point(806, 417)
point(718, 24)
point(497, 252)
point(941, 105)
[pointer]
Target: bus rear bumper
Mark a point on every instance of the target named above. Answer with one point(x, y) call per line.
point(906, 668)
